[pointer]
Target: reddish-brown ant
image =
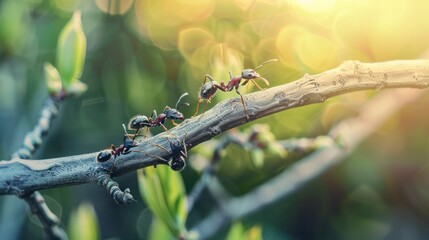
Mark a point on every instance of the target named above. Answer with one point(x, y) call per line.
point(124, 148)
point(208, 89)
point(140, 121)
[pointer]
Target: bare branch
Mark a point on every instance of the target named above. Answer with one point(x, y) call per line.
point(352, 131)
point(120, 197)
point(32, 142)
point(22, 176)
point(49, 220)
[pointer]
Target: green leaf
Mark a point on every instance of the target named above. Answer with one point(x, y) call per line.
point(163, 191)
point(254, 233)
point(277, 150)
point(257, 155)
point(13, 24)
point(237, 231)
point(83, 223)
point(71, 51)
point(77, 88)
point(158, 230)
point(53, 79)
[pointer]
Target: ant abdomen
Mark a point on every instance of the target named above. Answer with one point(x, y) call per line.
point(177, 164)
point(103, 156)
point(138, 122)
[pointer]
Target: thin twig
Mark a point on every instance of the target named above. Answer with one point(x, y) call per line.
point(32, 142)
point(49, 221)
point(208, 173)
point(249, 142)
point(23, 176)
point(120, 197)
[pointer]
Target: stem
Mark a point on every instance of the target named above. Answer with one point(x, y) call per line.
point(32, 142)
point(352, 131)
point(23, 176)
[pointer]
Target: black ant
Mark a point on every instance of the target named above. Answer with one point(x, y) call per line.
point(140, 121)
point(124, 148)
point(179, 153)
point(208, 89)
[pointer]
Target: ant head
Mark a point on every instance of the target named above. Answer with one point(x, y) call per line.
point(208, 90)
point(173, 114)
point(138, 122)
point(249, 74)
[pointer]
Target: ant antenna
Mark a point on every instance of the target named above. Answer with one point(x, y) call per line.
point(268, 61)
point(181, 104)
point(125, 129)
point(127, 134)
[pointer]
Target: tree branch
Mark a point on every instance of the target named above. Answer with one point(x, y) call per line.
point(352, 131)
point(32, 142)
point(248, 142)
point(23, 176)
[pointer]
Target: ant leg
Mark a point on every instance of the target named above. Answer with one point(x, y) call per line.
point(230, 74)
point(198, 105)
point(184, 144)
point(163, 126)
point(159, 146)
point(135, 134)
point(256, 84)
point(146, 133)
point(199, 97)
point(113, 147)
point(160, 158)
point(242, 102)
point(205, 107)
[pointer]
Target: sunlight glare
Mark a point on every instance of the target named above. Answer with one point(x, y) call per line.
point(315, 5)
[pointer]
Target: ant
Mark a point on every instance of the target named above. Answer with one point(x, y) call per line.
point(179, 154)
point(140, 121)
point(208, 89)
point(124, 148)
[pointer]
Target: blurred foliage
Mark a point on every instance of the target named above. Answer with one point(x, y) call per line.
point(83, 223)
point(164, 193)
point(237, 231)
point(142, 55)
point(71, 51)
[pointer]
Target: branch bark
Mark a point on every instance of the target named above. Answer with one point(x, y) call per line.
point(351, 131)
point(32, 142)
point(23, 176)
